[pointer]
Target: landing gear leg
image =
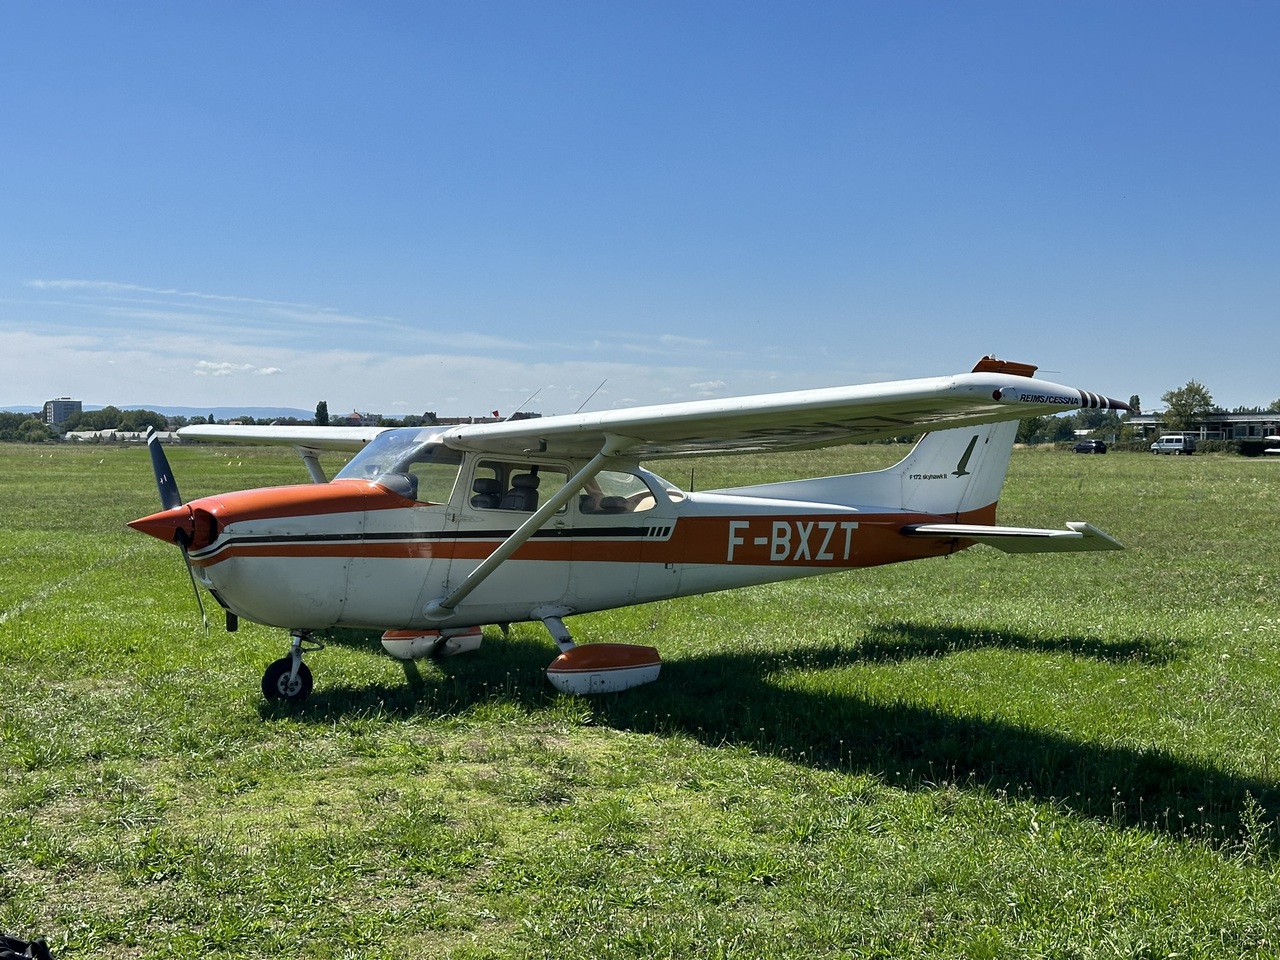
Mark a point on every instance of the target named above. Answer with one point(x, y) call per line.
point(559, 633)
point(289, 678)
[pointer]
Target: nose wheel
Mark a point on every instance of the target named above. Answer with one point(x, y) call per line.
point(289, 678)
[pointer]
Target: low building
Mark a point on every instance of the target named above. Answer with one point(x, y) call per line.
point(1216, 426)
point(120, 436)
point(357, 419)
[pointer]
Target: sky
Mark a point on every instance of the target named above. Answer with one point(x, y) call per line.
point(397, 207)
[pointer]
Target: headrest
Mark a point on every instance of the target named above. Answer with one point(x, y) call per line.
point(485, 485)
point(528, 481)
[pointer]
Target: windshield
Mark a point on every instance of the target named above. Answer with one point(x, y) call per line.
point(674, 493)
point(411, 462)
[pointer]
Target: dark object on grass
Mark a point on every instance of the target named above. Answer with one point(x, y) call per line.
point(11, 948)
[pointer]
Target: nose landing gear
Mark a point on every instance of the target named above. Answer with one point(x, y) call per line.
point(289, 678)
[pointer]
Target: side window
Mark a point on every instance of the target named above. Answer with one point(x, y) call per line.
point(522, 487)
point(613, 492)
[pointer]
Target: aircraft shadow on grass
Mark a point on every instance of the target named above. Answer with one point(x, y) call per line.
point(735, 698)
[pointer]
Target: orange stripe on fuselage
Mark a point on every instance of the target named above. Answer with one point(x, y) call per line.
point(820, 541)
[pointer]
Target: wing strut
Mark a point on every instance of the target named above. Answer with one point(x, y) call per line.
point(311, 457)
point(441, 609)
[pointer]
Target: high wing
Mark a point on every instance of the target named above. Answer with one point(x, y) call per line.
point(803, 419)
point(307, 441)
point(346, 439)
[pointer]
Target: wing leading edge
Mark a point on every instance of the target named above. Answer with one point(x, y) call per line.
point(800, 419)
point(346, 439)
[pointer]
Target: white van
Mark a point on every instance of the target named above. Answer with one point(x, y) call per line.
point(1175, 443)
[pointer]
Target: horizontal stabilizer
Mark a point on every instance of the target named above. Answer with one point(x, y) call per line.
point(1077, 537)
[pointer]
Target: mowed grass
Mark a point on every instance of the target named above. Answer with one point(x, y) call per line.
point(978, 756)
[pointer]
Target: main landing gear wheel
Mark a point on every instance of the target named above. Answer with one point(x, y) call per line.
point(280, 683)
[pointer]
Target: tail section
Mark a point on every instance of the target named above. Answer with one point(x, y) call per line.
point(955, 473)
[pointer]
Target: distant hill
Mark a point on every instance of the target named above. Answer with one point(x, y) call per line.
point(219, 413)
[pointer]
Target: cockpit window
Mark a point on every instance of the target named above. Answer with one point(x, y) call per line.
point(412, 463)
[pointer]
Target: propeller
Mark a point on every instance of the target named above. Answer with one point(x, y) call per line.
point(170, 498)
point(168, 487)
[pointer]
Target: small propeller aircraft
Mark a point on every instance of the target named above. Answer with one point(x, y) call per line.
point(430, 533)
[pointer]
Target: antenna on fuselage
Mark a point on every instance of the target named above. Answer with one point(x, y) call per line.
point(528, 399)
point(590, 395)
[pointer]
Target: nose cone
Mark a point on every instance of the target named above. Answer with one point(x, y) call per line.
point(172, 526)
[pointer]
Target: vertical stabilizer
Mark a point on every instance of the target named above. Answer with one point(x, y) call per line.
point(957, 471)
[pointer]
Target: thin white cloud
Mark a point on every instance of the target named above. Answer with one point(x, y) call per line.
point(672, 340)
point(134, 312)
point(208, 368)
point(117, 287)
point(113, 342)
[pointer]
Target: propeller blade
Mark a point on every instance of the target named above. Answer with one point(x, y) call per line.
point(167, 525)
point(168, 487)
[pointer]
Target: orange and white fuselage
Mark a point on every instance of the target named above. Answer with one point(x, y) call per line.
point(353, 553)
point(426, 533)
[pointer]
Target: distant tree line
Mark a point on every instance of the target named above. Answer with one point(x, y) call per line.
point(1185, 407)
point(1055, 429)
point(112, 418)
point(22, 428)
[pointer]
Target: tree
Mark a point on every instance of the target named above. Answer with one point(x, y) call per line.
point(1136, 402)
point(1187, 406)
point(1097, 422)
point(1063, 428)
point(322, 413)
point(33, 431)
point(137, 421)
point(1031, 430)
point(22, 427)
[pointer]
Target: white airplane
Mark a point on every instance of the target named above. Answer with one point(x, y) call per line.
point(429, 533)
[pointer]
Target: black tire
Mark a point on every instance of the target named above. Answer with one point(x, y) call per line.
point(276, 684)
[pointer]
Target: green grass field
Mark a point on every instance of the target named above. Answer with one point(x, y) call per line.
point(978, 756)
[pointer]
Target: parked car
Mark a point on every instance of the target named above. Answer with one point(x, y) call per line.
point(1089, 446)
point(1175, 443)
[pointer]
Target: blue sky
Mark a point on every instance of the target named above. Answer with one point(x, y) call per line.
point(400, 207)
